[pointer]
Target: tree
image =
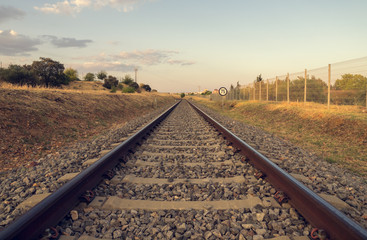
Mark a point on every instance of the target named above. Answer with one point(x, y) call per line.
point(89, 77)
point(258, 78)
point(102, 75)
point(71, 74)
point(128, 80)
point(182, 95)
point(49, 72)
point(351, 82)
point(110, 82)
point(19, 75)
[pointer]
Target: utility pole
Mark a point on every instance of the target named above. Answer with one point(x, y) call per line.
point(276, 88)
point(305, 90)
point(288, 88)
point(328, 87)
point(136, 75)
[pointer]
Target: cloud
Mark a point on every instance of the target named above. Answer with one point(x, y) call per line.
point(146, 57)
point(66, 7)
point(67, 42)
point(180, 62)
point(107, 66)
point(8, 12)
point(135, 58)
point(71, 7)
point(14, 44)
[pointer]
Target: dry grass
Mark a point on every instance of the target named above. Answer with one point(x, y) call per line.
point(38, 121)
point(338, 135)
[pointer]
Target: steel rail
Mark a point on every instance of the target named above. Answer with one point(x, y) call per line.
point(52, 209)
point(313, 208)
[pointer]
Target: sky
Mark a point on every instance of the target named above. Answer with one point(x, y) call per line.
point(184, 45)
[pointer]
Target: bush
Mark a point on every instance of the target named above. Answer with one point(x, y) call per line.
point(110, 82)
point(89, 77)
point(128, 80)
point(128, 90)
point(134, 85)
point(113, 89)
point(182, 95)
point(146, 87)
point(71, 74)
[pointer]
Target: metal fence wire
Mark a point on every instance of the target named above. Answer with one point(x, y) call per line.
point(342, 83)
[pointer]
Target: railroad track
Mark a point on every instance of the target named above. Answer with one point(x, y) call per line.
point(184, 179)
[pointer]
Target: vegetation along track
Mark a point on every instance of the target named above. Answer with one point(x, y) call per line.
point(185, 180)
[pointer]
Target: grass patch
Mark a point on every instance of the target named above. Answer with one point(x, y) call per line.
point(39, 121)
point(338, 135)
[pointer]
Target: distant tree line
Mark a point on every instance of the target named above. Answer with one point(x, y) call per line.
point(49, 73)
point(45, 72)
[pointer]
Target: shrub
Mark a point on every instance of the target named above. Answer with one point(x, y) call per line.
point(128, 80)
point(128, 90)
point(182, 95)
point(110, 82)
point(89, 77)
point(113, 89)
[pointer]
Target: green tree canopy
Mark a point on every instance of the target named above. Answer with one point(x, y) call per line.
point(128, 80)
point(351, 82)
point(49, 72)
point(102, 75)
point(89, 77)
point(110, 82)
point(19, 75)
point(71, 74)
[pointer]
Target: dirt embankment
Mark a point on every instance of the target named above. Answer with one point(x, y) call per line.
point(35, 122)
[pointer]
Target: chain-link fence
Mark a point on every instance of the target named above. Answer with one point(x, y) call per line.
point(338, 83)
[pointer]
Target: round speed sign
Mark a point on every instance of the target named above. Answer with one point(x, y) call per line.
point(223, 91)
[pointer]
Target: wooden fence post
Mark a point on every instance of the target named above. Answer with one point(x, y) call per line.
point(328, 87)
point(288, 87)
point(305, 92)
point(276, 88)
point(267, 90)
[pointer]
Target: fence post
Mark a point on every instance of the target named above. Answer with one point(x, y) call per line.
point(305, 92)
point(288, 87)
point(328, 87)
point(276, 88)
point(254, 91)
point(267, 89)
point(260, 91)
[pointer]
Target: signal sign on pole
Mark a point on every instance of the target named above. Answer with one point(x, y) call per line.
point(223, 91)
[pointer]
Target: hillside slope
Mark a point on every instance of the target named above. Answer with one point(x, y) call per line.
point(38, 122)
